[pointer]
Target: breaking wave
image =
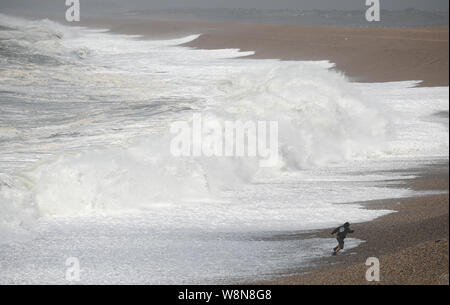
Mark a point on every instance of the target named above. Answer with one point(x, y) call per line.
point(97, 138)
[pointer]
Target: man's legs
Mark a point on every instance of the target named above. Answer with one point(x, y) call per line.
point(340, 245)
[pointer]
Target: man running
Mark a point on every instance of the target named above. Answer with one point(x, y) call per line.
point(341, 234)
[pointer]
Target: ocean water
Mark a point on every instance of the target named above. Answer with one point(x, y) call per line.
point(86, 169)
point(349, 18)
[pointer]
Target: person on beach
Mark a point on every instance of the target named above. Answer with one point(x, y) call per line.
point(341, 234)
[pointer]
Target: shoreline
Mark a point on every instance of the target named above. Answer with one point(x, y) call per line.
point(412, 244)
point(361, 54)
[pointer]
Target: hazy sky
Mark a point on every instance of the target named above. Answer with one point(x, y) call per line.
point(105, 6)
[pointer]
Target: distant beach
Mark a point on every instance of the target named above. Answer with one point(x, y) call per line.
point(362, 54)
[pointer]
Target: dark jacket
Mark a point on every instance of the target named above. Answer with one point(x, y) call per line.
point(342, 231)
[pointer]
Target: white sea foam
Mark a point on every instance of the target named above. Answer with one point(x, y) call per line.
point(84, 139)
